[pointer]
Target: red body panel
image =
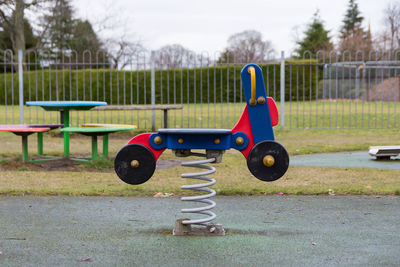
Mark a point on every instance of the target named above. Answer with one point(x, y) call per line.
point(243, 125)
point(273, 111)
point(143, 139)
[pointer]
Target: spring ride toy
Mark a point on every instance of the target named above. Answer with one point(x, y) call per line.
point(253, 136)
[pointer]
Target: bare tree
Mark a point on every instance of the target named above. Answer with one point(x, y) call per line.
point(173, 56)
point(12, 14)
point(122, 52)
point(115, 33)
point(356, 42)
point(392, 21)
point(247, 46)
point(382, 41)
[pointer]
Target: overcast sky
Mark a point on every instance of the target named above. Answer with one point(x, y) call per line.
point(205, 25)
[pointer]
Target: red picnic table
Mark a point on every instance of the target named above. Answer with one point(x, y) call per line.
point(24, 131)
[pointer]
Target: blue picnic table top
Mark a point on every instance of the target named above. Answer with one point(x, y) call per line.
point(61, 105)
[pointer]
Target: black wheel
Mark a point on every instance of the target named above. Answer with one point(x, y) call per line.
point(134, 164)
point(268, 161)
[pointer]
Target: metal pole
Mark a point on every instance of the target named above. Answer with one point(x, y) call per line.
point(21, 88)
point(153, 89)
point(282, 90)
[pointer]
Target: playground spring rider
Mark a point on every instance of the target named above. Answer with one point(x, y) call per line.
point(253, 136)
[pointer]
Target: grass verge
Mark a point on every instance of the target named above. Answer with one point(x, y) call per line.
point(233, 177)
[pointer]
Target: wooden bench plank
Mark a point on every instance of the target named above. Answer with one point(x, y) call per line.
point(138, 107)
point(164, 108)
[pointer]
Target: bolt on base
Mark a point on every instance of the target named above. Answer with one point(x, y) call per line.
point(213, 229)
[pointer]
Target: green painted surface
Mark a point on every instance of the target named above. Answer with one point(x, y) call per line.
point(261, 231)
point(105, 146)
point(40, 144)
point(94, 132)
point(96, 129)
point(94, 147)
point(346, 159)
point(25, 155)
point(66, 134)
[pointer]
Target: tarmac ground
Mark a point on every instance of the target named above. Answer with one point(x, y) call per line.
point(261, 231)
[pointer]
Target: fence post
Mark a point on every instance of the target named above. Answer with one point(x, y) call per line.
point(153, 89)
point(21, 88)
point(282, 90)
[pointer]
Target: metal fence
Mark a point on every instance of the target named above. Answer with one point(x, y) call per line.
point(326, 90)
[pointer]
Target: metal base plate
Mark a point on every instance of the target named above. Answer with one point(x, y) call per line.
point(213, 229)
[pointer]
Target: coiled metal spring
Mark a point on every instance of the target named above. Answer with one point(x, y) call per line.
point(200, 187)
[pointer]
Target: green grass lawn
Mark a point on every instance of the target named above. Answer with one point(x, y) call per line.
point(298, 115)
point(232, 174)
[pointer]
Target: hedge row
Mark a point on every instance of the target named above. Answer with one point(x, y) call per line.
point(219, 84)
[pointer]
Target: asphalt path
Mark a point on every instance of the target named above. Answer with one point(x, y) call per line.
point(359, 159)
point(261, 231)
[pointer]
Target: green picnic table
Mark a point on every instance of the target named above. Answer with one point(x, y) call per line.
point(94, 132)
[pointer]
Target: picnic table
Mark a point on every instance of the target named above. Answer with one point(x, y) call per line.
point(24, 130)
point(163, 107)
point(64, 107)
point(94, 132)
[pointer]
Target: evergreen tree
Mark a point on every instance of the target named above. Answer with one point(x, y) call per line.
point(352, 20)
point(84, 38)
point(353, 38)
point(316, 38)
point(66, 34)
point(60, 25)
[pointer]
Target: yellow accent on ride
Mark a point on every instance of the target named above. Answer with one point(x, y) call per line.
point(157, 140)
point(268, 161)
point(252, 72)
point(134, 163)
point(239, 141)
